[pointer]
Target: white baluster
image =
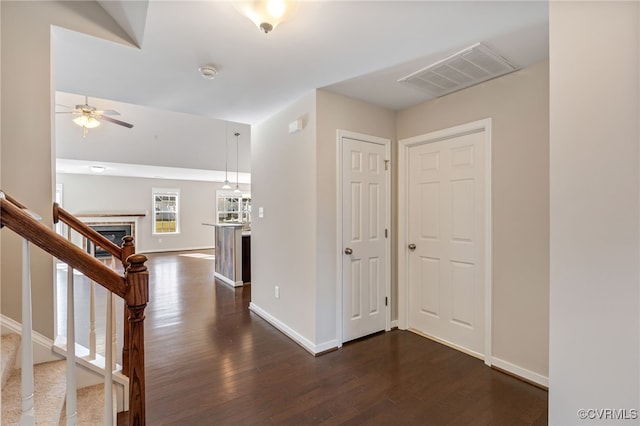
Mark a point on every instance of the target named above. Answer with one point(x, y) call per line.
point(92, 312)
point(108, 364)
point(71, 349)
point(27, 417)
point(114, 332)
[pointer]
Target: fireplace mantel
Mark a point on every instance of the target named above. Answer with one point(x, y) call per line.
point(111, 214)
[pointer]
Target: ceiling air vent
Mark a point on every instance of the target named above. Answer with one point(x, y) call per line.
point(470, 66)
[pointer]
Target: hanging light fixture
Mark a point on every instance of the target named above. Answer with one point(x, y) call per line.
point(266, 14)
point(226, 158)
point(237, 190)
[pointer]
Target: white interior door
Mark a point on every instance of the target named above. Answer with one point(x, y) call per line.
point(446, 240)
point(365, 265)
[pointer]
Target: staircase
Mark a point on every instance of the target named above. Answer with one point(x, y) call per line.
point(50, 384)
point(50, 391)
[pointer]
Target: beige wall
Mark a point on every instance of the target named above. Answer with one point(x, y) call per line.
point(27, 159)
point(283, 242)
point(294, 179)
point(519, 107)
point(339, 112)
point(91, 193)
point(595, 210)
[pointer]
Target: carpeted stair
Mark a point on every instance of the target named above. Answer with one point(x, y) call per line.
point(50, 391)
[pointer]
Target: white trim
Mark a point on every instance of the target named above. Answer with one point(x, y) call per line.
point(340, 135)
point(167, 250)
point(227, 281)
point(521, 372)
point(83, 358)
point(307, 344)
point(42, 345)
point(394, 324)
point(403, 178)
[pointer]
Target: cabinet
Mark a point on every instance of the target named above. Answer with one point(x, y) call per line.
point(233, 207)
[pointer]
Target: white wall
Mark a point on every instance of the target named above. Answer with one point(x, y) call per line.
point(595, 213)
point(153, 139)
point(89, 193)
point(27, 151)
point(518, 104)
point(283, 243)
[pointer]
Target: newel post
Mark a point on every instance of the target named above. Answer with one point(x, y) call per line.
point(137, 297)
point(128, 249)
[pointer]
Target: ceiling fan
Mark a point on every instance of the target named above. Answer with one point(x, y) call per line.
point(89, 117)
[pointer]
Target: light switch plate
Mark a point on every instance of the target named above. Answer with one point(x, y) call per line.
point(260, 212)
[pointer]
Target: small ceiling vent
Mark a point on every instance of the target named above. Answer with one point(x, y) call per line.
point(470, 66)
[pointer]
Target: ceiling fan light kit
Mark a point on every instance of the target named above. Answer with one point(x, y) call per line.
point(86, 121)
point(89, 118)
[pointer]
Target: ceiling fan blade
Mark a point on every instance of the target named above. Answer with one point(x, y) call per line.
point(108, 112)
point(66, 112)
point(114, 121)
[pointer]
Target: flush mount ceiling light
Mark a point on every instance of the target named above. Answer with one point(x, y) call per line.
point(208, 72)
point(267, 14)
point(98, 169)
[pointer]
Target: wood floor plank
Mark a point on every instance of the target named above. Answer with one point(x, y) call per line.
point(210, 361)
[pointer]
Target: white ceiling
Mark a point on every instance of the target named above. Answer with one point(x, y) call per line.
point(355, 48)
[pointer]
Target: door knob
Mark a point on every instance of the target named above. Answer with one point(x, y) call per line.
point(412, 247)
point(348, 251)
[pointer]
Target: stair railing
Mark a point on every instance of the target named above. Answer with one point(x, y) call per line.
point(128, 248)
point(133, 287)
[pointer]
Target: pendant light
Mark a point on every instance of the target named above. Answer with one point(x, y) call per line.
point(226, 159)
point(237, 190)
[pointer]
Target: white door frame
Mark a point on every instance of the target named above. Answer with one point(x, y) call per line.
point(403, 223)
point(340, 134)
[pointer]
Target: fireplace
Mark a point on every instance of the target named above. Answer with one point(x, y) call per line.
point(113, 233)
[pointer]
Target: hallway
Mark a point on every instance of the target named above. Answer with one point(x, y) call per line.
point(211, 361)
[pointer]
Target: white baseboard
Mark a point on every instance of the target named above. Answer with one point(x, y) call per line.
point(394, 324)
point(309, 346)
point(42, 345)
point(166, 250)
point(521, 372)
point(227, 281)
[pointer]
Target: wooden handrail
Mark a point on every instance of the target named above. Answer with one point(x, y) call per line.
point(60, 214)
point(133, 287)
point(25, 225)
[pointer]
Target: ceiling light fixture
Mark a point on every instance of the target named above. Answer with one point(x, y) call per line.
point(226, 156)
point(266, 14)
point(237, 190)
point(98, 169)
point(208, 72)
point(86, 121)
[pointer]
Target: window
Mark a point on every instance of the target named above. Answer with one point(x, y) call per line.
point(166, 209)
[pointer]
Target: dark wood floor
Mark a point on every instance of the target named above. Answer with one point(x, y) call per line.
point(212, 362)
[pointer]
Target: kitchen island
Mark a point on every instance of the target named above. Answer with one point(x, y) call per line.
point(232, 254)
